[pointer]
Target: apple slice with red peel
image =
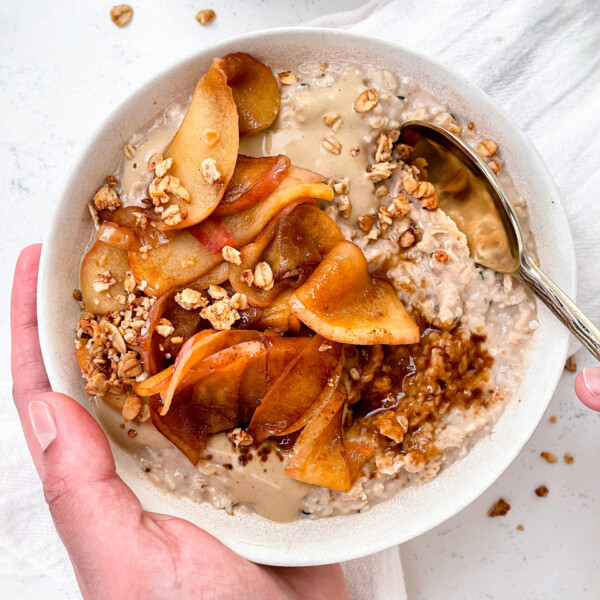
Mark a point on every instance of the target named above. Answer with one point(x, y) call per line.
point(253, 180)
point(299, 185)
point(319, 454)
point(198, 371)
point(160, 381)
point(255, 91)
point(103, 271)
point(209, 131)
point(213, 234)
point(295, 391)
point(184, 259)
point(344, 303)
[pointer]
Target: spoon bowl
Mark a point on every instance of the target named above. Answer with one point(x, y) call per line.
point(471, 195)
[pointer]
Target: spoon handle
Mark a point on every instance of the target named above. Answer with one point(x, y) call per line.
point(561, 305)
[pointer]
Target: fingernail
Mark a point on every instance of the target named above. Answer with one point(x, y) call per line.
point(43, 422)
point(591, 380)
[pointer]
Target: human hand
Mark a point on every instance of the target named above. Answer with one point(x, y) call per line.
point(587, 387)
point(117, 549)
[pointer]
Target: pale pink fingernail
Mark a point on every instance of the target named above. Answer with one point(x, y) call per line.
point(591, 380)
point(43, 422)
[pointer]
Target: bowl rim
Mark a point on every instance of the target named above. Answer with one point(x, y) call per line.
point(278, 555)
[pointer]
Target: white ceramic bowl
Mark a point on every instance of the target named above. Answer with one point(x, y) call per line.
point(307, 542)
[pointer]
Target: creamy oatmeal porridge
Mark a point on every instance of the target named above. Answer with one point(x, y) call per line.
point(405, 406)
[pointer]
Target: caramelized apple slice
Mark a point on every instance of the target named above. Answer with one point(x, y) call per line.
point(322, 405)
point(295, 391)
point(319, 454)
point(292, 244)
point(255, 91)
point(180, 427)
point(208, 366)
point(250, 256)
point(103, 271)
point(225, 394)
point(258, 362)
point(172, 265)
point(200, 346)
point(139, 221)
point(265, 369)
point(115, 235)
point(212, 406)
point(184, 259)
point(213, 234)
point(154, 347)
point(225, 398)
point(305, 236)
point(344, 303)
point(201, 343)
point(209, 131)
point(190, 364)
point(253, 180)
point(277, 316)
point(357, 454)
point(216, 276)
point(159, 381)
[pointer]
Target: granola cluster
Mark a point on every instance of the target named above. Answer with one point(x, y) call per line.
point(402, 393)
point(108, 350)
point(165, 188)
point(391, 220)
point(222, 313)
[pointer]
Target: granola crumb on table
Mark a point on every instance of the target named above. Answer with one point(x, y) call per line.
point(206, 16)
point(549, 457)
point(500, 509)
point(121, 14)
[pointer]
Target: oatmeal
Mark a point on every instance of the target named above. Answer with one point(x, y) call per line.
point(410, 381)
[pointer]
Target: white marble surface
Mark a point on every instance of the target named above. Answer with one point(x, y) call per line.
point(63, 67)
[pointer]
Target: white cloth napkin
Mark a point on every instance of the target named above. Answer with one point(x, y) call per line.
point(540, 60)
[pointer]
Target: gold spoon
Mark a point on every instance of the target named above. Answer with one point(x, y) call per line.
point(471, 195)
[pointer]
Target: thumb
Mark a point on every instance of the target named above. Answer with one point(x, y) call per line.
point(87, 499)
point(587, 387)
